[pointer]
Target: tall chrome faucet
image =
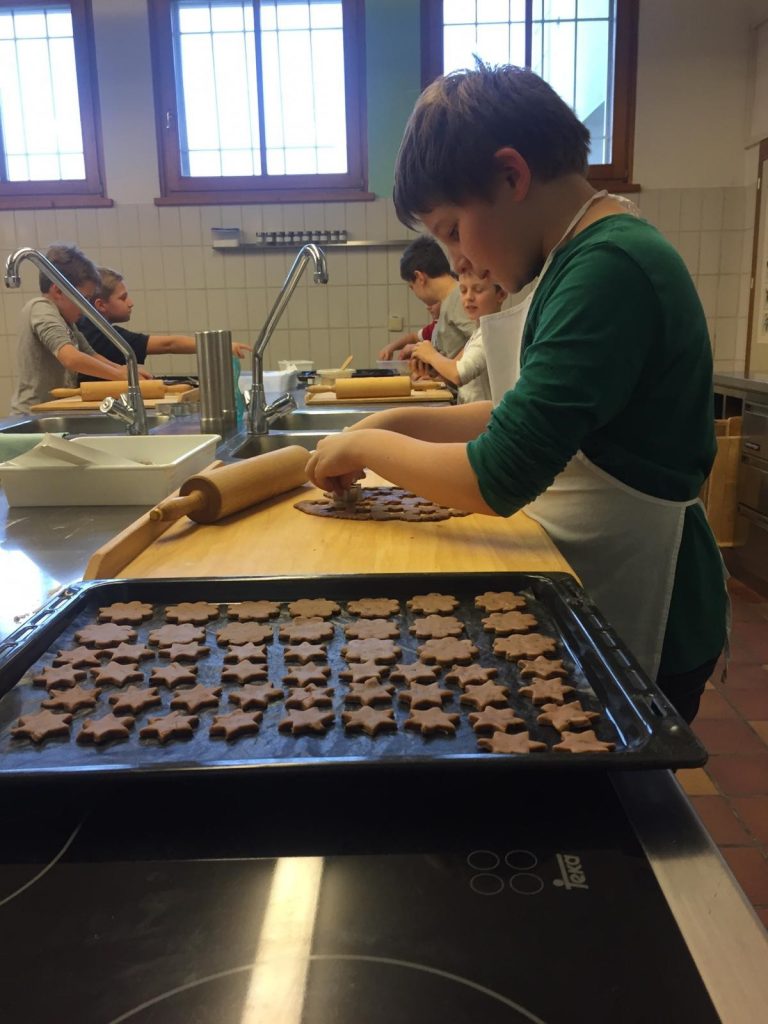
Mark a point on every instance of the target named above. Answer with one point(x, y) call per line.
point(258, 412)
point(135, 414)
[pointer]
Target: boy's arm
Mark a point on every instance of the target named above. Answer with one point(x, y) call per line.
point(446, 367)
point(453, 424)
point(72, 359)
point(440, 472)
point(184, 344)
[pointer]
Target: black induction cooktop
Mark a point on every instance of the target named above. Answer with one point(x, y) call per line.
point(434, 900)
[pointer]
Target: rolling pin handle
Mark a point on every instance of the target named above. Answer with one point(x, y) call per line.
point(175, 508)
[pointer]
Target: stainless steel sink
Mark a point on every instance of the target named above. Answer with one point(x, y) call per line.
point(261, 443)
point(325, 420)
point(76, 423)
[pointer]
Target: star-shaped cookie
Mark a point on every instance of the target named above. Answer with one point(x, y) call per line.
point(105, 729)
point(134, 699)
point(129, 613)
point(245, 671)
point(510, 743)
point(195, 612)
point(544, 668)
point(499, 601)
point(73, 699)
point(235, 724)
point(495, 720)
point(469, 675)
point(431, 721)
point(305, 652)
point(369, 720)
point(359, 671)
point(131, 653)
point(415, 672)
point(78, 657)
point(303, 675)
point(60, 678)
point(116, 673)
point(545, 691)
point(523, 646)
point(255, 695)
point(174, 675)
point(169, 727)
point(42, 726)
point(314, 720)
point(246, 652)
point(311, 696)
point(185, 652)
point(424, 695)
point(582, 743)
point(196, 698)
point(253, 611)
point(447, 651)
point(485, 695)
point(371, 691)
point(569, 716)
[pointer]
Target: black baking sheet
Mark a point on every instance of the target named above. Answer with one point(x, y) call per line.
point(635, 715)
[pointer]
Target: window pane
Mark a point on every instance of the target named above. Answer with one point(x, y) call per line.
point(594, 71)
point(456, 12)
point(492, 10)
point(39, 102)
point(227, 18)
point(325, 15)
point(194, 19)
point(6, 25)
point(559, 58)
point(594, 8)
point(558, 9)
point(292, 16)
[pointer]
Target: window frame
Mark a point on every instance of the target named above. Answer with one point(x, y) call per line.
point(91, 191)
point(615, 176)
point(178, 190)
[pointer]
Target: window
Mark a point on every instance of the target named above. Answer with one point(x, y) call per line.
point(585, 49)
point(259, 99)
point(50, 151)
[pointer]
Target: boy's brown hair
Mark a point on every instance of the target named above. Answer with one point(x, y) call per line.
point(461, 120)
point(72, 263)
point(110, 279)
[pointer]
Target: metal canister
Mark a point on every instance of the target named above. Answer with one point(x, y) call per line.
point(218, 409)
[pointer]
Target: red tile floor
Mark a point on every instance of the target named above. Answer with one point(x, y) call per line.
point(730, 794)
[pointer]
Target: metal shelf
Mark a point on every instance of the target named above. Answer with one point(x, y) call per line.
point(295, 246)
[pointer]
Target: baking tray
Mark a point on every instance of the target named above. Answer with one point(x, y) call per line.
point(647, 731)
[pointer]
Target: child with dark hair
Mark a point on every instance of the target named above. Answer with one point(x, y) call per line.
point(426, 270)
point(606, 434)
point(51, 350)
point(115, 305)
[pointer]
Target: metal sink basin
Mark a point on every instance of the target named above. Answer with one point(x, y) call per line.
point(261, 443)
point(326, 420)
point(74, 423)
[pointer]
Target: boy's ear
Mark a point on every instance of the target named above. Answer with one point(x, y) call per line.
point(514, 170)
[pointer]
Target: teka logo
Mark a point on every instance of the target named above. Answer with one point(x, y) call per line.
point(571, 872)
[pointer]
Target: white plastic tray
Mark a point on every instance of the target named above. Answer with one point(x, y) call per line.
point(171, 460)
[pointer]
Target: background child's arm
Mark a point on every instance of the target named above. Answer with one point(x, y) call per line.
point(184, 344)
point(71, 358)
point(427, 353)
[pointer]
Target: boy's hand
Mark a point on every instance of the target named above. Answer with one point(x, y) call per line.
point(143, 374)
point(335, 465)
point(424, 352)
point(240, 350)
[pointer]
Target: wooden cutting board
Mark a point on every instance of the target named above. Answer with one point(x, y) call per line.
point(432, 395)
point(276, 539)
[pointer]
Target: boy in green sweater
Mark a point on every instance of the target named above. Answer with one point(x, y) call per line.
point(607, 434)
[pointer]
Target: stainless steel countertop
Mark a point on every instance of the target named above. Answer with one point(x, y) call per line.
point(42, 549)
point(757, 385)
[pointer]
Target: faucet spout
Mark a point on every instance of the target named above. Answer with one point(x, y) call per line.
point(258, 421)
point(13, 280)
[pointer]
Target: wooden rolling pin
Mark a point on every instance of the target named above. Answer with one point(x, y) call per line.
point(214, 494)
point(97, 390)
point(366, 387)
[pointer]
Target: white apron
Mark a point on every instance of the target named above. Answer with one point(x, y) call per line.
point(622, 543)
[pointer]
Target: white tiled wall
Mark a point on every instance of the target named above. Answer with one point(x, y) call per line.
point(180, 284)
